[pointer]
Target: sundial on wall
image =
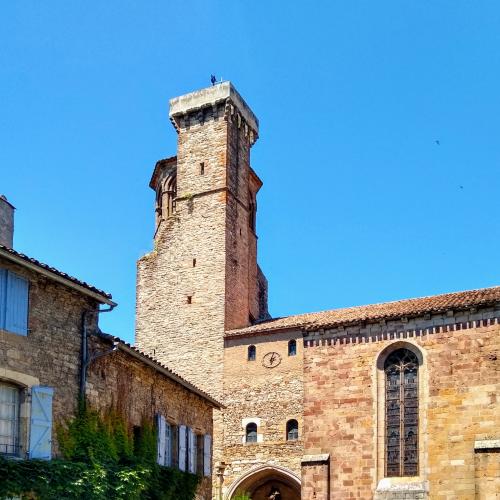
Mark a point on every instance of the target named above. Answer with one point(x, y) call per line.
point(271, 360)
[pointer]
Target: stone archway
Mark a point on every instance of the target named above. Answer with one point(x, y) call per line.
point(264, 481)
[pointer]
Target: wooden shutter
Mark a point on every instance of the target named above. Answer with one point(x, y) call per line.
point(16, 313)
point(160, 439)
point(182, 447)
point(3, 297)
point(207, 454)
point(191, 450)
point(168, 445)
point(41, 423)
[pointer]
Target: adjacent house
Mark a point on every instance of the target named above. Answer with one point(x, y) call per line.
point(52, 352)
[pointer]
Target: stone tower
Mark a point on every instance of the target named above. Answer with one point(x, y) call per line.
point(202, 277)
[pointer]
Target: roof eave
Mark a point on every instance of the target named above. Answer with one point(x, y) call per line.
point(55, 277)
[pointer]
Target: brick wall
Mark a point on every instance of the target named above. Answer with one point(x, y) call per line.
point(459, 384)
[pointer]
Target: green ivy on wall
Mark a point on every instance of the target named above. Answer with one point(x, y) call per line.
point(102, 460)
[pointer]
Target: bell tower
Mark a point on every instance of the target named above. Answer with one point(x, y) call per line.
point(202, 277)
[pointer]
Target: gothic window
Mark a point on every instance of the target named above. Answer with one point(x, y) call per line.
point(251, 353)
point(292, 430)
point(292, 348)
point(9, 419)
point(401, 413)
point(251, 433)
point(166, 202)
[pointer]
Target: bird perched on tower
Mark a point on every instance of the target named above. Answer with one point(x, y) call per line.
point(213, 79)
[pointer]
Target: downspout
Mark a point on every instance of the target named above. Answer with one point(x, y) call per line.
point(85, 359)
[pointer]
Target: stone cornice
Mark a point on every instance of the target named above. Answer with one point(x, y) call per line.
point(202, 105)
point(341, 337)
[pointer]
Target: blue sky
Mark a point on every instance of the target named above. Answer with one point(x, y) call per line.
point(359, 204)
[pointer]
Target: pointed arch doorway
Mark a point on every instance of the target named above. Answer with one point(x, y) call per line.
point(267, 483)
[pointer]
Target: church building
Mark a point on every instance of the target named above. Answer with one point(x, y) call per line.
point(388, 401)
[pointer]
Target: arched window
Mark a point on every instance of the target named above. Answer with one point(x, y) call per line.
point(292, 348)
point(251, 353)
point(401, 413)
point(9, 419)
point(169, 194)
point(292, 430)
point(251, 433)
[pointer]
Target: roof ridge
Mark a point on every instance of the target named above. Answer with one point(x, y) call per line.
point(311, 318)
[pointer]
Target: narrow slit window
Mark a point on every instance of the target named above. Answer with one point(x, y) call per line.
point(401, 414)
point(292, 348)
point(202, 168)
point(251, 433)
point(251, 353)
point(189, 299)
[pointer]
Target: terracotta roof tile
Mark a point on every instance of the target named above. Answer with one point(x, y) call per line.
point(9, 251)
point(376, 312)
point(161, 367)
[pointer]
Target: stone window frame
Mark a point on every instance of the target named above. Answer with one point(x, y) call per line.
point(380, 390)
point(245, 422)
point(24, 383)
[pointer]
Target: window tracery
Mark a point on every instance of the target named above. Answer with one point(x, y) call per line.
point(401, 408)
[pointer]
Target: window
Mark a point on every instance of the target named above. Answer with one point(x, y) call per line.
point(9, 419)
point(251, 353)
point(401, 413)
point(252, 212)
point(292, 348)
point(13, 303)
point(251, 433)
point(292, 430)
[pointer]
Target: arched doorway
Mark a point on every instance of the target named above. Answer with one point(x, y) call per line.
point(267, 482)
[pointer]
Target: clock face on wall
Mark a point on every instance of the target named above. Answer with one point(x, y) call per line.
point(271, 360)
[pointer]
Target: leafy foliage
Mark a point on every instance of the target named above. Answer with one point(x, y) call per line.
point(102, 460)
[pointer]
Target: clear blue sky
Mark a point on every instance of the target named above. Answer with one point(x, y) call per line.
point(359, 203)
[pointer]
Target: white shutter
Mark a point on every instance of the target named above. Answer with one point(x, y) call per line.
point(41, 423)
point(160, 426)
point(168, 445)
point(191, 450)
point(182, 447)
point(207, 454)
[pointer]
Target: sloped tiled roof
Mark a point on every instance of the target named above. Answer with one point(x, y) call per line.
point(376, 312)
point(157, 365)
point(20, 258)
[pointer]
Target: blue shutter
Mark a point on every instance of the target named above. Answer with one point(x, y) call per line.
point(16, 315)
point(3, 297)
point(41, 422)
point(160, 426)
point(207, 454)
point(182, 447)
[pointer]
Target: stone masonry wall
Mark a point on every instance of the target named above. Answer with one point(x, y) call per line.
point(50, 353)
point(138, 392)
point(459, 386)
point(268, 396)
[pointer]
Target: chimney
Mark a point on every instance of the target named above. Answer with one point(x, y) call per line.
point(6, 222)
